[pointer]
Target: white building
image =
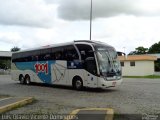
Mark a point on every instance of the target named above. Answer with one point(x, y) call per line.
point(137, 65)
point(5, 54)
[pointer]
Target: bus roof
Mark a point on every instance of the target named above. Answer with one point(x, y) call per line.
point(64, 44)
point(92, 41)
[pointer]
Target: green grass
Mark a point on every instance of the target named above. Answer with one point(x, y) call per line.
point(149, 76)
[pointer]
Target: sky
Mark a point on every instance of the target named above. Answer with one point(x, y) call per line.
point(124, 24)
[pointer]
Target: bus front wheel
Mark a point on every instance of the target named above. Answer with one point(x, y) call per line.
point(77, 83)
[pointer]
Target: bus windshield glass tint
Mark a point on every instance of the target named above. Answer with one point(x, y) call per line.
point(109, 64)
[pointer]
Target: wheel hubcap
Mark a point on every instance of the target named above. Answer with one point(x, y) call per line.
point(22, 80)
point(27, 81)
point(78, 84)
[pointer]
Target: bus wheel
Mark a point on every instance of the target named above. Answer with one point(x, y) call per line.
point(77, 83)
point(21, 79)
point(27, 80)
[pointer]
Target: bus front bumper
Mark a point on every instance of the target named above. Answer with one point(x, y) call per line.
point(111, 83)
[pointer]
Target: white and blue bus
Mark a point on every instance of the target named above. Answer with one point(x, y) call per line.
point(80, 63)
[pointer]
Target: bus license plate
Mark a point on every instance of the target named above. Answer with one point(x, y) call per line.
point(114, 83)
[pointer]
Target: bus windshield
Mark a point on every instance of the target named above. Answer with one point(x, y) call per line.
point(109, 64)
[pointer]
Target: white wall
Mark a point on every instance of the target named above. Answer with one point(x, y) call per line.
point(141, 68)
point(5, 54)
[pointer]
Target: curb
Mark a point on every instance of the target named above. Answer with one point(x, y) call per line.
point(109, 112)
point(16, 104)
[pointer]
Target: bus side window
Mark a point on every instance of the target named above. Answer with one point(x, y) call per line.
point(35, 58)
point(87, 56)
point(26, 59)
point(40, 57)
point(70, 53)
point(47, 57)
point(53, 56)
point(85, 51)
point(58, 55)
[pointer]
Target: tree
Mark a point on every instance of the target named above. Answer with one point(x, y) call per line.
point(139, 50)
point(14, 49)
point(132, 53)
point(155, 48)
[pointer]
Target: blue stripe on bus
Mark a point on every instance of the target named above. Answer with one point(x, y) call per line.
point(41, 68)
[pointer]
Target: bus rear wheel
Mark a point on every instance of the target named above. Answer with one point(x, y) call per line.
point(27, 80)
point(77, 84)
point(21, 79)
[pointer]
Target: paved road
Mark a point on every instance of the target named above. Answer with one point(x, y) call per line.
point(134, 96)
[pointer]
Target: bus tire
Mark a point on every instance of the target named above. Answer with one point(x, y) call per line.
point(21, 79)
point(77, 83)
point(27, 80)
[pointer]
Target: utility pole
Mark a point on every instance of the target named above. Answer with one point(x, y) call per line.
point(91, 21)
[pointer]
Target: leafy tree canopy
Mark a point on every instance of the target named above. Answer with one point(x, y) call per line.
point(139, 50)
point(14, 49)
point(155, 48)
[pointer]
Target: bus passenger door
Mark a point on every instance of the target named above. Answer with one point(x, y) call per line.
point(90, 66)
point(59, 72)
